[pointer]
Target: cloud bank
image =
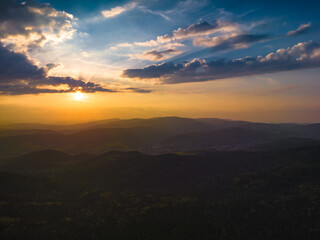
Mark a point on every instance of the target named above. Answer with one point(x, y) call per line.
point(19, 75)
point(300, 56)
point(218, 35)
point(25, 26)
point(28, 26)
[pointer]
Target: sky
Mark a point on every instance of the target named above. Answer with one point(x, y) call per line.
point(65, 61)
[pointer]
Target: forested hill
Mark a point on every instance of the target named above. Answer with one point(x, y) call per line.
point(272, 194)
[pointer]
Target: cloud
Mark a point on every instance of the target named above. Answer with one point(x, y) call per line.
point(300, 56)
point(151, 43)
point(155, 55)
point(194, 30)
point(204, 28)
point(153, 71)
point(233, 41)
point(217, 34)
point(302, 29)
point(16, 66)
point(118, 10)
point(121, 45)
point(50, 66)
point(23, 28)
point(138, 90)
point(29, 25)
point(157, 13)
point(19, 75)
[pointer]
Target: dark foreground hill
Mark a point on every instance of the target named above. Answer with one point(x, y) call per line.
point(271, 194)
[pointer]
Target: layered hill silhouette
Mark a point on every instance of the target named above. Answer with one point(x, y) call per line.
point(162, 178)
point(152, 136)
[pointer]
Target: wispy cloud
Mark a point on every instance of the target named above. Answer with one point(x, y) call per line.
point(194, 30)
point(302, 29)
point(217, 35)
point(157, 55)
point(157, 13)
point(118, 10)
point(121, 45)
point(160, 55)
point(232, 41)
point(205, 28)
point(279, 90)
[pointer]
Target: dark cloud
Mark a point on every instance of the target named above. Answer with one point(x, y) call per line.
point(302, 29)
point(19, 75)
point(300, 56)
point(16, 66)
point(229, 42)
point(18, 89)
point(50, 66)
point(139, 90)
point(159, 55)
point(153, 71)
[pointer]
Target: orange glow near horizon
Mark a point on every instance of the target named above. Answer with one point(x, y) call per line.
point(251, 99)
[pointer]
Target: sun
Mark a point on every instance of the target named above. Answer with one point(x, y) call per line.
point(78, 96)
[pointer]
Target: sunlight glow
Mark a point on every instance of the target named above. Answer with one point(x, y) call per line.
point(78, 96)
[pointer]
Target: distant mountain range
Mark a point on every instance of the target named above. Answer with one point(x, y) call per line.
point(154, 136)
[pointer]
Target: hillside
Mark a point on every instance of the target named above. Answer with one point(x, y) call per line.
point(130, 195)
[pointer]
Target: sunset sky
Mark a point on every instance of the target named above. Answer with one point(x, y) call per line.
point(67, 61)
